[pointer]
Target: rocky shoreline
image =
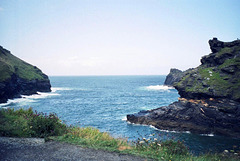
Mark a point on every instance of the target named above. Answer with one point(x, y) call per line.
point(197, 116)
point(209, 96)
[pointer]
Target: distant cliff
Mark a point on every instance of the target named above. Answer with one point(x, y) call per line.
point(19, 78)
point(210, 95)
point(174, 76)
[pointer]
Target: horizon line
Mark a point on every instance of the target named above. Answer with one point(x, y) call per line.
point(108, 75)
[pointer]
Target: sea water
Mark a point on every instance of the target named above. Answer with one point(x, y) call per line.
point(104, 101)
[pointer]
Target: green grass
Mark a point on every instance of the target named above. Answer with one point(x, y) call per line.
point(6, 71)
point(209, 77)
point(27, 123)
point(228, 50)
point(214, 77)
point(10, 64)
point(224, 50)
point(230, 62)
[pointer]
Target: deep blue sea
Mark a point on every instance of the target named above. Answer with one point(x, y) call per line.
point(104, 101)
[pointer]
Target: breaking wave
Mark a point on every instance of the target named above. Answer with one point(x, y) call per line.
point(159, 87)
point(25, 99)
point(54, 89)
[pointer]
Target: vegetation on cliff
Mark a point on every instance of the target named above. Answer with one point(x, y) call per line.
point(10, 64)
point(217, 77)
point(18, 77)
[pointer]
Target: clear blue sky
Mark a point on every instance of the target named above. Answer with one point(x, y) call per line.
point(115, 37)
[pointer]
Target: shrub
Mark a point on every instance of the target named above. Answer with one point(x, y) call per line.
point(155, 144)
point(175, 147)
point(26, 123)
point(44, 125)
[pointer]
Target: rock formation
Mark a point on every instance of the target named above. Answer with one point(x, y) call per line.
point(210, 96)
point(174, 76)
point(218, 76)
point(19, 78)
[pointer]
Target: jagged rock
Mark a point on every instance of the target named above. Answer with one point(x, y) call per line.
point(215, 45)
point(174, 76)
point(19, 78)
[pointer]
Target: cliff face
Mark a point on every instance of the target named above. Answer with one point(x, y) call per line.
point(210, 95)
point(19, 78)
point(218, 76)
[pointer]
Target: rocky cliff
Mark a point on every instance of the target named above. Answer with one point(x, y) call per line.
point(19, 78)
point(174, 76)
point(218, 76)
point(210, 96)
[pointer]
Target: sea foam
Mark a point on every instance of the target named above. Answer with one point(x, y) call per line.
point(207, 134)
point(54, 89)
point(158, 87)
point(25, 99)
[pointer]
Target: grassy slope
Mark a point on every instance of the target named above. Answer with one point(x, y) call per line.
point(10, 64)
point(26, 123)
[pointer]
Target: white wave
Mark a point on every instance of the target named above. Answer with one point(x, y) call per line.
point(54, 89)
point(172, 131)
point(207, 134)
point(151, 126)
point(40, 95)
point(25, 99)
point(159, 87)
point(145, 108)
point(124, 118)
point(136, 124)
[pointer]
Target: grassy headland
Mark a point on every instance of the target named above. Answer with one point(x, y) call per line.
point(29, 123)
point(10, 64)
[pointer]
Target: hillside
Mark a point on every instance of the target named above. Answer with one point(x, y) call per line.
point(19, 78)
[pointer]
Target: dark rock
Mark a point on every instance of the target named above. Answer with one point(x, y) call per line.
point(215, 45)
point(231, 69)
point(174, 76)
point(196, 116)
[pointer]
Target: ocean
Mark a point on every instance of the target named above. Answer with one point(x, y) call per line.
point(104, 101)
